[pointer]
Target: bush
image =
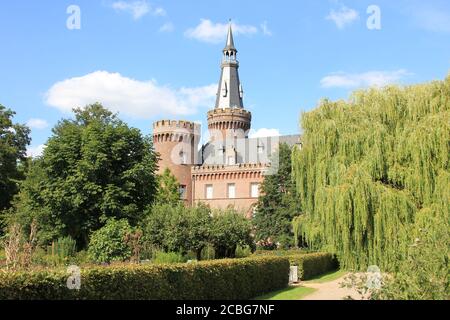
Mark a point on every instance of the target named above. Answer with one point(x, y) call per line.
point(108, 243)
point(309, 264)
point(280, 252)
point(209, 280)
point(313, 264)
point(168, 257)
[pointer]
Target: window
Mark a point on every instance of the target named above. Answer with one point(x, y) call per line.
point(209, 191)
point(183, 158)
point(254, 190)
point(260, 148)
point(231, 161)
point(182, 191)
point(231, 190)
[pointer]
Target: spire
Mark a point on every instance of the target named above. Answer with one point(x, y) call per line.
point(230, 93)
point(230, 42)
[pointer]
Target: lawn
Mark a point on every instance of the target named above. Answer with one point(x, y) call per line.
point(298, 292)
point(326, 277)
point(290, 293)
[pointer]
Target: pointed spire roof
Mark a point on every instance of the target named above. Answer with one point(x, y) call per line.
point(230, 42)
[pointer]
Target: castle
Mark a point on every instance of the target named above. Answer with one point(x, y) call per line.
point(229, 169)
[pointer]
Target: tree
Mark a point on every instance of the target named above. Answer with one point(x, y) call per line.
point(199, 229)
point(14, 139)
point(278, 203)
point(369, 168)
point(109, 242)
point(178, 228)
point(94, 168)
point(230, 229)
point(168, 189)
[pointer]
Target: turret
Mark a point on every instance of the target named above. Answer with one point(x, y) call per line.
point(176, 142)
point(228, 121)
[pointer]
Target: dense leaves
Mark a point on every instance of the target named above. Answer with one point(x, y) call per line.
point(14, 139)
point(236, 279)
point(182, 229)
point(108, 243)
point(372, 171)
point(94, 168)
point(278, 203)
point(229, 230)
point(168, 189)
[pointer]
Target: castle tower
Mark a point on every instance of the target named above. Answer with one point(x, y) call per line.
point(176, 142)
point(229, 120)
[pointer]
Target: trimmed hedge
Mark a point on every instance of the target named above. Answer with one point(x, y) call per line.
point(210, 280)
point(313, 264)
point(309, 264)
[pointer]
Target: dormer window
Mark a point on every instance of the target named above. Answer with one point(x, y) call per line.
point(224, 89)
point(260, 148)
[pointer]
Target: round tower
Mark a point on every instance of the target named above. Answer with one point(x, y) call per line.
point(176, 142)
point(229, 120)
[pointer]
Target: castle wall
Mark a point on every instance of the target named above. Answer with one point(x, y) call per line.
point(241, 175)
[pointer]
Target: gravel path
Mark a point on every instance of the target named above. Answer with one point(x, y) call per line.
point(330, 291)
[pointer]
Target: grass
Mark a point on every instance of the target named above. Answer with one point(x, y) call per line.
point(326, 277)
point(290, 293)
point(298, 292)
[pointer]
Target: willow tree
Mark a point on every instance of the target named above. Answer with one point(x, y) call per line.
point(371, 169)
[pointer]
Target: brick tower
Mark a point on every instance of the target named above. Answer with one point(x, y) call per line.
point(228, 122)
point(176, 142)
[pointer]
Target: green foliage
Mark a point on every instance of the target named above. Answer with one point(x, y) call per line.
point(178, 228)
point(230, 229)
point(313, 264)
point(278, 203)
point(108, 243)
point(14, 139)
point(168, 257)
point(236, 279)
point(64, 247)
point(94, 168)
point(309, 264)
point(168, 189)
point(182, 229)
point(369, 168)
point(424, 273)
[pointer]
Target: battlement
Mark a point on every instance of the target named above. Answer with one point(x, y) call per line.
point(175, 124)
point(229, 111)
point(237, 167)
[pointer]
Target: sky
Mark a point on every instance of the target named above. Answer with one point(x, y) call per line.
point(154, 59)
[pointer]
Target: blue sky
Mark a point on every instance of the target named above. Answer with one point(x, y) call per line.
point(160, 59)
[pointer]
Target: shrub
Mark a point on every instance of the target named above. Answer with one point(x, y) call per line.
point(209, 280)
point(280, 252)
point(313, 264)
point(168, 257)
point(108, 243)
point(309, 264)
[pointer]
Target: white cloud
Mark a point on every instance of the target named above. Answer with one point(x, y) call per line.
point(264, 132)
point(210, 32)
point(265, 29)
point(143, 99)
point(366, 79)
point(35, 151)
point(138, 9)
point(343, 17)
point(35, 123)
point(167, 27)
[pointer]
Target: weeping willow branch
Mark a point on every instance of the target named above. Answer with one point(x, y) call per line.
point(368, 166)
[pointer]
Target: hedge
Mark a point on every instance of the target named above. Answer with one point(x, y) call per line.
point(309, 264)
point(210, 280)
point(313, 264)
